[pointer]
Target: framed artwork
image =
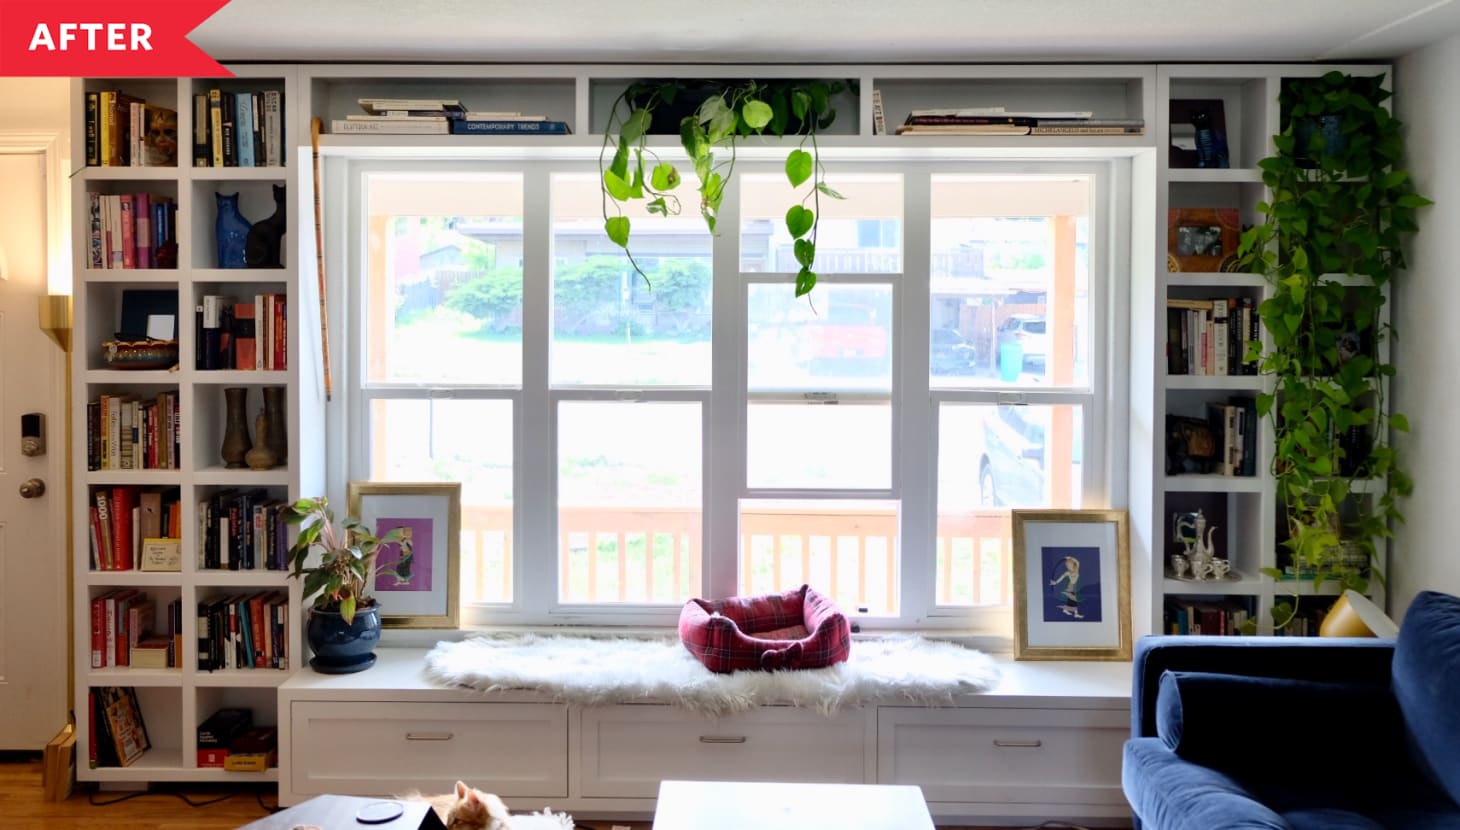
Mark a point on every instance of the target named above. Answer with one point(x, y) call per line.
point(431, 513)
point(1202, 239)
point(1071, 585)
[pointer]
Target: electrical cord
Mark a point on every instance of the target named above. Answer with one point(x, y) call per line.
point(91, 798)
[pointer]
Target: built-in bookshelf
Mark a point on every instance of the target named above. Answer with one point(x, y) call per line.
point(160, 574)
point(1208, 188)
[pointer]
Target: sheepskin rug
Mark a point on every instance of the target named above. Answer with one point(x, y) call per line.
point(595, 671)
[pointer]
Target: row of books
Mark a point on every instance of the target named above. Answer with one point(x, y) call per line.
point(229, 740)
point(243, 631)
point(1223, 443)
point(131, 230)
point(125, 631)
point(243, 530)
point(242, 335)
point(1221, 617)
point(440, 116)
point(999, 121)
point(124, 433)
point(125, 131)
point(118, 733)
point(1210, 337)
point(125, 519)
point(238, 129)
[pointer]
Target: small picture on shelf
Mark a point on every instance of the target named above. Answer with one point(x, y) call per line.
point(1198, 134)
point(1202, 239)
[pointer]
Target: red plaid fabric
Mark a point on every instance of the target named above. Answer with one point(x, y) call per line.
point(741, 632)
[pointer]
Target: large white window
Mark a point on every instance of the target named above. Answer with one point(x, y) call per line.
point(626, 443)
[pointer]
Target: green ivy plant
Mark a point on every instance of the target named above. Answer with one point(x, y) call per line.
point(734, 109)
point(1329, 242)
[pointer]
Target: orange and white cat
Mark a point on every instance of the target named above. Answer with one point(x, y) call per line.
point(468, 808)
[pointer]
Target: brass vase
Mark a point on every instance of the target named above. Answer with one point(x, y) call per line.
point(261, 457)
point(235, 431)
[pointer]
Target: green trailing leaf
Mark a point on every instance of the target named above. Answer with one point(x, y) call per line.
point(617, 228)
point(757, 114)
point(635, 126)
point(664, 177)
point(1399, 422)
point(826, 191)
point(799, 221)
point(805, 281)
point(805, 251)
point(798, 167)
point(658, 207)
point(616, 186)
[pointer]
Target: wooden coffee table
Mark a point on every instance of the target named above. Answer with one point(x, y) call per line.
point(737, 805)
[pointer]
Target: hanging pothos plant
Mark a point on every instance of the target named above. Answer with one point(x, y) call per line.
point(731, 110)
point(1330, 241)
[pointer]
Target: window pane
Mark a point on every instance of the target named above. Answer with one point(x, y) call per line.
point(845, 549)
point(861, 234)
point(629, 501)
point(838, 339)
point(456, 440)
point(1010, 281)
point(807, 445)
point(992, 458)
point(612, 326)
point(444, 278)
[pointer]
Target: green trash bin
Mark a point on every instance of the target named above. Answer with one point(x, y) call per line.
point(1011, 361)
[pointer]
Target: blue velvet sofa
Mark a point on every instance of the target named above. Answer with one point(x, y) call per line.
point(1286, 733)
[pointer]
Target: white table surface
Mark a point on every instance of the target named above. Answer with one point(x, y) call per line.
point(741, 805)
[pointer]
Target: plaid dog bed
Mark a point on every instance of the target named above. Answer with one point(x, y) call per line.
point(798, 629)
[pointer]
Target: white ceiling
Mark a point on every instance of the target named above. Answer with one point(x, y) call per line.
point(824, 31)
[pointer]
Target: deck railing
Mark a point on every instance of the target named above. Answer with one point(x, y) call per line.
point(619, 554)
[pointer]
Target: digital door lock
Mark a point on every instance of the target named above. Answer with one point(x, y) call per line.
point(33, 434)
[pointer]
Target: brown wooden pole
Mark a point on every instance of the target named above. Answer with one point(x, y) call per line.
point(315, 126)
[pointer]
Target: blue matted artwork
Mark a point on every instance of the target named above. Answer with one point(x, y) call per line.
point(1071, 584)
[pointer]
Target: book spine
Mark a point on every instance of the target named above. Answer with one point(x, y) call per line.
point(341, 125)
point(95, 251)
point(244, 102)
point(93, 129)
point(273, 138)
point(229, 113)
point(202, 153)
point(129, 231)
point(107, 142)
point(142, 235)
point(98, 631)
point(215, 126)
point(969, 120)
point(539, 127)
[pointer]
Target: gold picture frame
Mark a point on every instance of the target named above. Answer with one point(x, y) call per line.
point(432, 510)
point(1202, 239)
point(1071, 585)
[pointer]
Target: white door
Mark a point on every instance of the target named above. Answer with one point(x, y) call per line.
point(33, 586)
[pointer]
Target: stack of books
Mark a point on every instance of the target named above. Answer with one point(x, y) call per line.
point(998, 121)
point(439, 116)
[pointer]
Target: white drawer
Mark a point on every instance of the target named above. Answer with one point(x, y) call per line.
point(375, 748)
point(1031, 756)
point(627, 750)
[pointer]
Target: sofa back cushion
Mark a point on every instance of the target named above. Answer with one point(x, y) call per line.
point(1427, 685)
point(1224, 721)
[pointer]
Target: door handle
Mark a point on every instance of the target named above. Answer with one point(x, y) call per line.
point(32, 488)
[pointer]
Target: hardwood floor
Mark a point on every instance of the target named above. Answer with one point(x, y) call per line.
point(22, 808)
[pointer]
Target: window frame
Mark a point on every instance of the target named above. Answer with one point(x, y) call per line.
point(725, 403)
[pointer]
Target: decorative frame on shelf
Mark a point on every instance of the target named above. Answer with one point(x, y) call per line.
point(1058, 613)
point(1202, 239)
point(430, 598)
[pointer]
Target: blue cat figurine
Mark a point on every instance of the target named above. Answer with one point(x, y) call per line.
point(231, 231)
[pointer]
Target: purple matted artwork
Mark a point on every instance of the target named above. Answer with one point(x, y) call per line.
point(420, 574)
point(1071, 584)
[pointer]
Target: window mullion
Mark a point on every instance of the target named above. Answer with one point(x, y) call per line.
point(912, 412)
point(724, 445)
point(534, 547)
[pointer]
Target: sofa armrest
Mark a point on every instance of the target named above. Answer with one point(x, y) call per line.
point(1326, 659)
point(1171, 794)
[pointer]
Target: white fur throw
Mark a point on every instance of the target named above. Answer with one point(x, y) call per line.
point(594, 671)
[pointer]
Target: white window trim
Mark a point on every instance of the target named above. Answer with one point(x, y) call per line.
point(914, 468)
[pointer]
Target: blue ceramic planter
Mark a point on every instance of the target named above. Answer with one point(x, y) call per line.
point(341, 648)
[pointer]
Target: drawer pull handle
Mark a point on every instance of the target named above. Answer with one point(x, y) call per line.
point(428, 736)
point(1021, 744)
point(722, 739)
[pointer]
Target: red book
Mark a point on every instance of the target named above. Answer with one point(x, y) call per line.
point(256, 622)
point(129, 231)
point(98, 632)
point(123, 500)
point(245, 351)
point(143, 230)
point(280, 338)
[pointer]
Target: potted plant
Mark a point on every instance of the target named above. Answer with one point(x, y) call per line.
point(1330, 241)
point(722, 113)
point(344, 621)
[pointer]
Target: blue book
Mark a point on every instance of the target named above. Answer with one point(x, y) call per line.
point(501, 127)
point(243, 128)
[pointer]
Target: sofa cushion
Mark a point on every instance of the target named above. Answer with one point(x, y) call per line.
point(1222, 720)
point(1427, 682)
point(1171, 794)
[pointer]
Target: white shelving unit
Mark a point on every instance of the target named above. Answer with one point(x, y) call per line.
point(175, 701)
point(1246, 506)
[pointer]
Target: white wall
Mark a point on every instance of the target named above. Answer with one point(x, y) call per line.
point(34, 104)
point(1426, 552)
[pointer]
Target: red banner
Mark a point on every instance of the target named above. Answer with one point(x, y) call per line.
point(112, 39)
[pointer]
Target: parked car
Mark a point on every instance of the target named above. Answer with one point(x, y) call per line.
point(950, 354)
point(1011, 469)
point(1028, 330)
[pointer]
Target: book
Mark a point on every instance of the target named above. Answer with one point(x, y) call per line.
point(378, 105)
point(464, 127)
point(1042, 129)
point(151, 653)
point(123, 719)
point(963, 129)
point(970, 120)
point(202, 153)
point(998, 112)
point(394, 126)
point(245, 343)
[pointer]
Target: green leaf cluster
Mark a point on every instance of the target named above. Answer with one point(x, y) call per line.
point(347, 557)
point(733, 109)
point(1330, 240)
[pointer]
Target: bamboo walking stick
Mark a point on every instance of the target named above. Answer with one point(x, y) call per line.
point(315, 125)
